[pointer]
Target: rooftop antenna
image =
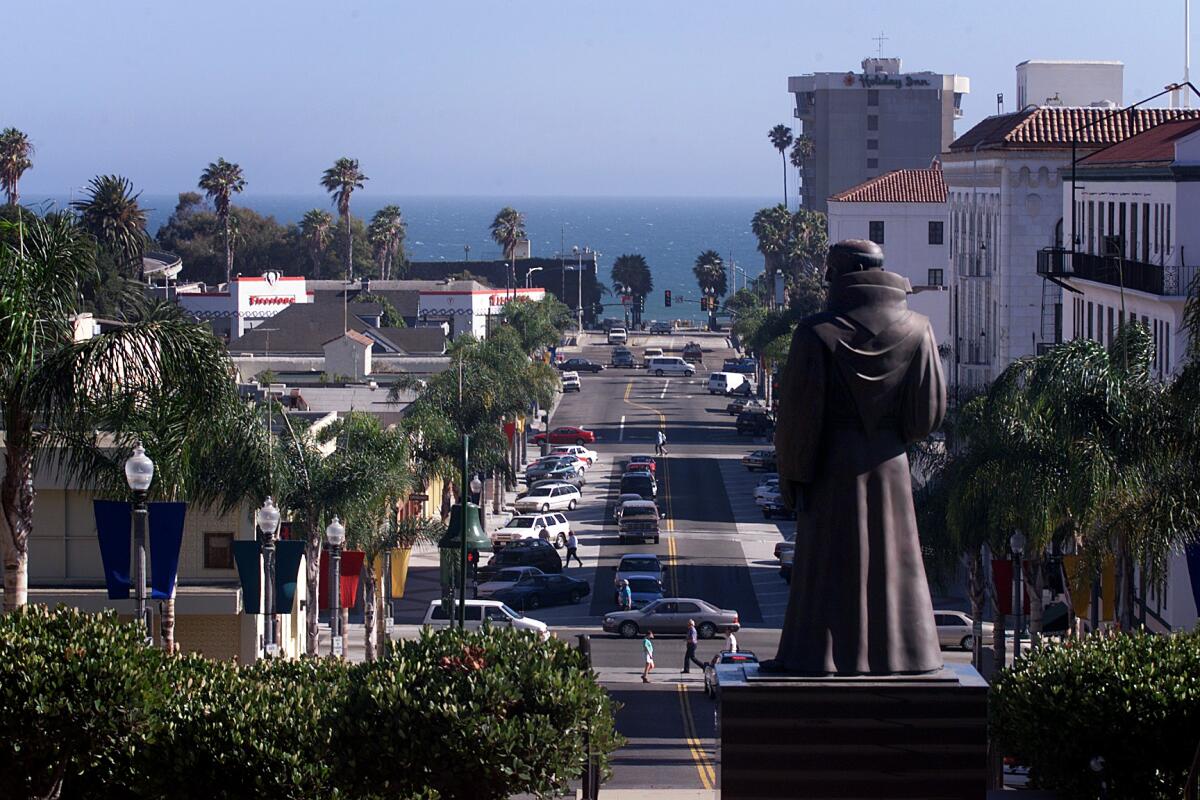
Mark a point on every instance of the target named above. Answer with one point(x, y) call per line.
point(879, 40)
point(999, 103)
point(1187, 50)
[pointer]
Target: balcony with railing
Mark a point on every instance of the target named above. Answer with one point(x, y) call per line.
point(1171, 280)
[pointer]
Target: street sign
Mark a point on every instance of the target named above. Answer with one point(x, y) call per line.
point(389, 625)
point(272, 650)
point(337, 645)
point(419, 497)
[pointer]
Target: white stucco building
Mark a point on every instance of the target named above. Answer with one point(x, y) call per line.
point(904, 211)
point(243, 303)
point(1046, 82)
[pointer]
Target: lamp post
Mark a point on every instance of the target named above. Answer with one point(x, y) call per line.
point(268, 523)
point(529, 272)
point(139, 472)
point(475, 486)
point(1016, 543)
point(335, 535)
point(579, 287)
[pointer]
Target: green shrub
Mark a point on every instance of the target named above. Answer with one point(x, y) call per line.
point(1132, 699)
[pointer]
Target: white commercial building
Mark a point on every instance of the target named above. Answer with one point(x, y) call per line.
point(1070, 83)
point(243, 303)
point(905, 212)
point(468, 306)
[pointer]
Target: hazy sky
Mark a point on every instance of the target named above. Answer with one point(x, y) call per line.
point(525, 97)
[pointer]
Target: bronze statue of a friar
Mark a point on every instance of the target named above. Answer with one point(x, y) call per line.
point(862, 381)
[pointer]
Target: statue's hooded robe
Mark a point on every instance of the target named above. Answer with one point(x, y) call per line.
point(863, 380)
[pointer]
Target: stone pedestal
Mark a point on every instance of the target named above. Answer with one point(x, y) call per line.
point(855, 737)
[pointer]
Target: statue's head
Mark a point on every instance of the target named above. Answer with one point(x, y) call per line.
point(852, 255)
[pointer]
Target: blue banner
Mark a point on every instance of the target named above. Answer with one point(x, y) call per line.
point(288, 555)
point(249, 567)
point(166, 536)
point(1192, 552)
point(114, 528)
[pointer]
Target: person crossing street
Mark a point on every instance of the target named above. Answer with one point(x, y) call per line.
point(660, 443)
point(625, 596)
point(648, 649)
point(689, 657)
point(572, 549)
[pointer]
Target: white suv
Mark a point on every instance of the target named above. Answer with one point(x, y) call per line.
point(576, 450)
point(550, 498)
point(670, 365)
point(529, 526)
point(493, 612)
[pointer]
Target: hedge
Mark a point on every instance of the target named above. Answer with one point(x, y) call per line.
point(1132, 699)
point(86, 710)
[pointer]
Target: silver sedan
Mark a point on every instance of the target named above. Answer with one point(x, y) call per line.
point(671, 615)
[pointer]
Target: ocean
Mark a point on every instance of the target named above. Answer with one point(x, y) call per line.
point(669, 232)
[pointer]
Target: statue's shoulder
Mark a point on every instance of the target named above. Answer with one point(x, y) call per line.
point(820, 321)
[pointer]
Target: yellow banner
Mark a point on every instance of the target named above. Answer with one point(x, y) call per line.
point(1081, 588)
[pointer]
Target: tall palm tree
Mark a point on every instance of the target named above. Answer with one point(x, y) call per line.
point(781, 139)
point(508, 229)
point(386, 235)
point(15, 153)
point(633, 273)
point(110, 212)
point(802, 150)
point(48, 383)
point(340, 181)
point(773, 229)
point(709, 270)
point(220, 181)
point(314, 229)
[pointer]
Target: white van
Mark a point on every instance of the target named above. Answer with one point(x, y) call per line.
point(669, 365)
point(616, 336)
point(724, 382)
point(493, 611)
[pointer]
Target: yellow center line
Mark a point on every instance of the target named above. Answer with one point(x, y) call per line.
point(666, 482)
point(704, 766)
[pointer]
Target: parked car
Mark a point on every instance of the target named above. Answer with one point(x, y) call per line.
point(548, 482)
point(759, 459)
point(577, 450)
point(725, 382)
point(784, 547)
point(536, 591)
point(493, 612)
point(619, 504)
point(755, 422)
point(671, 615)
point(661, 327)
point(562, 468)
point(956, 629)
point(745, 389)
point(632, 564)
point(744, 365)
point(644, 590)
point(766, 489)
point(649, 353)
point(773, 506)
point(580, 365)
point(641, 484)
point(503, 579)
point(693, 352)
point(639, 520)
point(724, 657)
point(650, 462)
point(617, 335)
point(566, 434)
point(741, 404)
point(571, 383)
point(670, 365)
point(530, 526)
point(786, 559)
point(525, 553)
point(623, 358)
point(549, 498)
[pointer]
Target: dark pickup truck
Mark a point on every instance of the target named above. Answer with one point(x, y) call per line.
point(639, 521)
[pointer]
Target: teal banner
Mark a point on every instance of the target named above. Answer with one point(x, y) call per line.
point(288, 555)
point(246, 557)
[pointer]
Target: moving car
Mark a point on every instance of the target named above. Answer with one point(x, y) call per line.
point(639, 520)
point(755, 422)
point(670, 365)
point(773, 506)
point(570, 382)
point(741, 404)
point(623, 358)
point(525, 553)
point(744, 365)
point(503, 579)
point(580, 365)
point(566, 434)
point(784, 547)
point(725, 382)
point(639, 483)
point(549, 498)
point(759, 459)
point(535, 591)
point(766, 489)
point(617, 335)
point(619, 504)
point(693, 352)
point(786, 559)
point(661, 327)
point(651, 352)
point(644, 589)
point(579, 451)
point(744, 389)
point(650, 462)
point(724, 657)
point(493, 612)
point(529, 526)
point(956, 629)
point(671, 615)
point(633, 564)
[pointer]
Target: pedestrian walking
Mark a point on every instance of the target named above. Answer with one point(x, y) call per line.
point(648, 649)
point(544, 534)
point(625, 596)
point(731, 642)
point(660, 443)
point(573, 549)
point(689, 657)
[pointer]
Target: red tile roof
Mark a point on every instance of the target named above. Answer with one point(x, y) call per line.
point(1154, 145)
point(1051, 127)
point(898, 186)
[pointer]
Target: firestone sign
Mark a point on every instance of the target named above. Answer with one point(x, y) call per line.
point(271, 301)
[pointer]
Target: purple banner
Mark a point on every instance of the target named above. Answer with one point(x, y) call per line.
point(166, 536)
point(113, 527)
point(1192, 551)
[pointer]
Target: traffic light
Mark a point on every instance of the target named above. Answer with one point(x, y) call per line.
point(705, 301)
point(641, 303)
point(667, 298)
point(473, 562)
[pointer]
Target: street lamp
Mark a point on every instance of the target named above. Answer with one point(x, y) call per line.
point(529, 272)
point(1016, 543)
point(268, 523)
point(139, 472)
point(335, 535)
point(579, 287)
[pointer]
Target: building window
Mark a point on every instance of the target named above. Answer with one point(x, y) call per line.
point(218, 551)
point(872, 163)
point(872, 144)
point(872, 97)
point(876, 231)
point(935, 278)
point(936, 231)
point(872, 122)
point(1089, 319)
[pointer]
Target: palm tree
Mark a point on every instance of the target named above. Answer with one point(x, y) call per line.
point(772, 227)
point(802, 150)
point(386, 235)
point(48, 384)
point(633, 274)
point(15, 152)
point(220, 181)
point(709, 270)
point(340, 181)
point(781, 139)
point(314, 229)
point(508, 229)
point(111, 214)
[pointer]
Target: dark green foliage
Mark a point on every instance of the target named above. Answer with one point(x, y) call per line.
point(86, 707)
point(388, 315)
point(539, 324)
point(1133, 699)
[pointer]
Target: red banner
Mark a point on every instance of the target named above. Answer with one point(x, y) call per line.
point(352, 562)
point(1002, 576)
point(510, 430)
